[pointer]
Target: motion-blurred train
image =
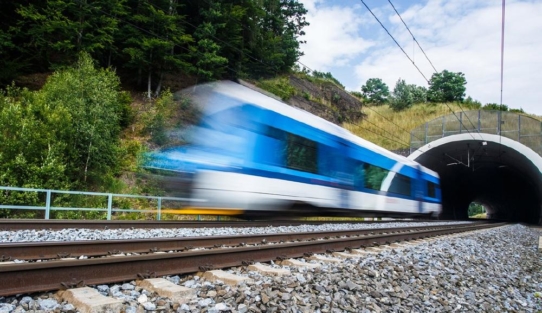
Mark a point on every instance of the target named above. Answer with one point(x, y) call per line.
point(253, 155)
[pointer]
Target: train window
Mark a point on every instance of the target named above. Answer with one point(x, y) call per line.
point(431, 190)
point(374, 176)
point(400, 185)
point(359, 173)
point(302, 154)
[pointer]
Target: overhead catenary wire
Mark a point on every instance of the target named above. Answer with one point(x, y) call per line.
point(297, 62)
point(502, 59)
point(233, 70)
point(415, 40)
point(404, 52)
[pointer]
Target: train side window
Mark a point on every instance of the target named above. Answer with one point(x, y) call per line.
point(401, 184)
point(301, 154)
point(374, 176)
point(359, 173)
point(431, 190)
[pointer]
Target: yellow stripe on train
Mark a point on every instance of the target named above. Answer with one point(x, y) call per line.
point(204, 211)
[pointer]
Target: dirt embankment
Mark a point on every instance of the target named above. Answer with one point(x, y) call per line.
point(325, 99)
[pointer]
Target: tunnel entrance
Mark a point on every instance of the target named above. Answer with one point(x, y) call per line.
point(501, 174)
point(477, 210)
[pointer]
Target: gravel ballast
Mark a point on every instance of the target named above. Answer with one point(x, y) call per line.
point(493, 270)
point(72, 234)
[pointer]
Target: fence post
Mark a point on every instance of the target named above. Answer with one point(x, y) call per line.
point(159, 215)
point(426, 127)
point(461, 122)
point(109, 206)
point(48, 204)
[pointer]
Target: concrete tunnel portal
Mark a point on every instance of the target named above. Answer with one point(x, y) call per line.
point(501, 171)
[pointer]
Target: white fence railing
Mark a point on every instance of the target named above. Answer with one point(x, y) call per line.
point(48, 194)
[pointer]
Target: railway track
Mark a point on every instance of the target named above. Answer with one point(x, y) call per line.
point(62, 273)
point(9, 224)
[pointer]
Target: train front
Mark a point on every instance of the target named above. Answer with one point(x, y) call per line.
point(211, 165)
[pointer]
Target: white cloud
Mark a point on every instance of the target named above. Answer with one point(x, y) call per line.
point(333, 36)
point(465, 36)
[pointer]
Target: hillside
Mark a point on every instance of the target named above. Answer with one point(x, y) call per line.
point(382, 123)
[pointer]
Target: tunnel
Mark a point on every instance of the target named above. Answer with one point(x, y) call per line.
point(501, 172)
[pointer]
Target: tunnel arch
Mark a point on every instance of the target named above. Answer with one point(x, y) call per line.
point(503, 174)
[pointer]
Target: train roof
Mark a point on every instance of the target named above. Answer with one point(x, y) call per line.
point(247, 95)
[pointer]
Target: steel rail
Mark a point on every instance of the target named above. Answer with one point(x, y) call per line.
point(44, 276)
point(20, 224)
point(92, 248)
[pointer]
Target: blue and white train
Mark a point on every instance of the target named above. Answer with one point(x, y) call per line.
point(252, 155)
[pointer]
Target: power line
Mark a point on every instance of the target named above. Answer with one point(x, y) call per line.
point(398, 45)
point(461, 122)
point(414, 38)
point(502, 61)
point(225, 42)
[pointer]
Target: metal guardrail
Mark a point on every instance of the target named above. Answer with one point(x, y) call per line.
point(109, 209)
point(521, 128)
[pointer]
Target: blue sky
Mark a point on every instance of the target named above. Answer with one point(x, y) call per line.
point(459, 36)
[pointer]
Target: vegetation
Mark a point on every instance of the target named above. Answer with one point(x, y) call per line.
point(145, 40)
point(476, 210)
point(447, 87)
point(385, 127)
point(375, 91)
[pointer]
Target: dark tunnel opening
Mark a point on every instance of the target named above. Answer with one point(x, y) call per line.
point(506, 194)
point(504, 180)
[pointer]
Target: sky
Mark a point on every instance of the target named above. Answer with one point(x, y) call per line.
point(456, 35)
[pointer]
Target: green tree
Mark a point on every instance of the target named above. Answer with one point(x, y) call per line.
point(447, 87)
point(402, 97)
point(155, 41)
point(209, 63)
point(472, 104)
point(475, 209)
point(375, 91)
point(31, 156)
point(495, 106)
point(327, 76)
point(419, 93)
point(57, 30)
point(88, 105)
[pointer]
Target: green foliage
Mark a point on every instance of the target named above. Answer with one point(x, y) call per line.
point(278, 86)
point(327, 76)
point(89, 100)
point(375, 91)
point(419, 93)
point(447, 87)
point(472, 104)
point(357, 94)
point(374, 176)
point(151, 40)
point(162, 117)
point(475, 209)
point(402, 97)
point(520, 110)
point(60, 29)
point(495, 107)
point(63, 136)
point(147, 39)
point(209, 64)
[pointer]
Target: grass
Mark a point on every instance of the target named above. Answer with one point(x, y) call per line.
point(391, 130)
point(480, 216)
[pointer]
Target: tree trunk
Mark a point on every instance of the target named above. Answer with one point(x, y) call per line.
point(149, 85)
point(88, 161)
point(159, 87)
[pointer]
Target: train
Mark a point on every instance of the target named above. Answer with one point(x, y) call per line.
point(252, 155)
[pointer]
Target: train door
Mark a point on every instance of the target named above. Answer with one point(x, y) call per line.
point(419, 186)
